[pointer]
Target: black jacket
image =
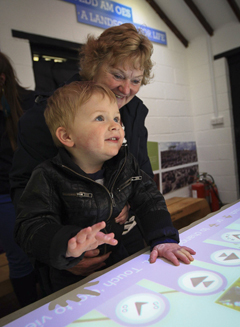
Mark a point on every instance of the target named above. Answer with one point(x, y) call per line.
point(35, 143)
point(60, 199)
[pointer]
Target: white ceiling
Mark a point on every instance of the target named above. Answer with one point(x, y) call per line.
point(216, 12)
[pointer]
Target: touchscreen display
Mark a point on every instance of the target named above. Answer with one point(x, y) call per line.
point(137, 293)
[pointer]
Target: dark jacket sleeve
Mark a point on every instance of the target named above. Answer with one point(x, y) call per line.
point(150, 207)
point(38, 228)
point(133, 116)
point(145, 164)
point(35, 145)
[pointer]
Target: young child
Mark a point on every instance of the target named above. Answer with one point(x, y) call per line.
point(70, 204)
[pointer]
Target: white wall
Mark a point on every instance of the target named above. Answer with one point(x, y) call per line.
point(215, 144)
point(180, 96)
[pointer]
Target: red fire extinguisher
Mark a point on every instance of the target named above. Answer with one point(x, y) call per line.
point(205, 187)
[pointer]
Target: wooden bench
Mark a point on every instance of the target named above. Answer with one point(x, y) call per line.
point(184, 211)
point(5, 284)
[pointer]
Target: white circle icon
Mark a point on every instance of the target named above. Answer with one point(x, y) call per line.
point(200, 282)
point(140, 308)
point(231, 237)
point(226, 257)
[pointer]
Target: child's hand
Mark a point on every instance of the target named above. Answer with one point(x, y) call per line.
point(88, 239)
point(172, 252)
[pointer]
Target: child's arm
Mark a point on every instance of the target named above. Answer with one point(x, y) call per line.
point(40, 232)
point(88, 239)
point(150, 207)
point(172, 252)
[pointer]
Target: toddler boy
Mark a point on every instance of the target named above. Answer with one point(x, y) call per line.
point(70, 204)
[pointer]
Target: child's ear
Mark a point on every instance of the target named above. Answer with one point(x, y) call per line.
point(64, 137)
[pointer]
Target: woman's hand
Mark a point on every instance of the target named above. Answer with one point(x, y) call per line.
point(172, 252)
point(90, 263)
point(88, 239)
point(123, 216)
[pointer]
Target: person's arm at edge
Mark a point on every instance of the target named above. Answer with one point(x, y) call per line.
point(34, 146)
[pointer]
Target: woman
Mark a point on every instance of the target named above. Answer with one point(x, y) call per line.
point(12, 97)
point(121, 59)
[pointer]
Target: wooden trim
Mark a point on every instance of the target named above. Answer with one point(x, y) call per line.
point(36, 38)
point(235, 8)
point(227, 54)
point(199, 16)
point(168, 22)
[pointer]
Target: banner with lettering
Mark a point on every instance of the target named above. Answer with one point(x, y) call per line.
point(105, 14)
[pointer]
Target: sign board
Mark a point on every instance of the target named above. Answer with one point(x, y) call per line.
point(105, 14)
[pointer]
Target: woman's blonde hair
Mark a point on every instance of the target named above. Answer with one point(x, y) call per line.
point(63, 104)
point(117, 45)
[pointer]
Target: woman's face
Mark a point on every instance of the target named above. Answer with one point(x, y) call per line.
point(124, 80)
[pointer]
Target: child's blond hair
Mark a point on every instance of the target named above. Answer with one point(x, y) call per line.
point(63, 104)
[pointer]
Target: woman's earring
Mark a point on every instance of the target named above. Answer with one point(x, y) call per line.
point(5, 105)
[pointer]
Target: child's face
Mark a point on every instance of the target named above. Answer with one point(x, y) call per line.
point(96, 132)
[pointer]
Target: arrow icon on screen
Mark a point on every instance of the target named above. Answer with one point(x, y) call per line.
point(139, 306)
point(237, 236)
point(198, 280)
point(226, 257)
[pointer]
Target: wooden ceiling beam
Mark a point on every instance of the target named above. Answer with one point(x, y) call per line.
point(235, 8)
point(168, 22)
point(199, 16)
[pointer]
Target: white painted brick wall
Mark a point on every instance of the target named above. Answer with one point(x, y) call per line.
point(215, 144)
point(179, 98)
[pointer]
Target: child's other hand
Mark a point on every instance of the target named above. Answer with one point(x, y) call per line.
point(172, 252)
point(88, 239)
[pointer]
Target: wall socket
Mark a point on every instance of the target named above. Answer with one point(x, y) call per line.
point(217, 121)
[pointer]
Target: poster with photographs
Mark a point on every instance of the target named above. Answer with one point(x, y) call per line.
point(175, 164)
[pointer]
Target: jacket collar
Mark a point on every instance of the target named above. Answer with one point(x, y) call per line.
point(63, 158)
point(115, 162)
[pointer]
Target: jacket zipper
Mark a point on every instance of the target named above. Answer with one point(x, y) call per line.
point(79, 194)
point(109, 193)
point(128, 182)
point(114, 181)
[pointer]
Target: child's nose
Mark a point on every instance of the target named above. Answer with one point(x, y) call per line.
point(114, 126)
